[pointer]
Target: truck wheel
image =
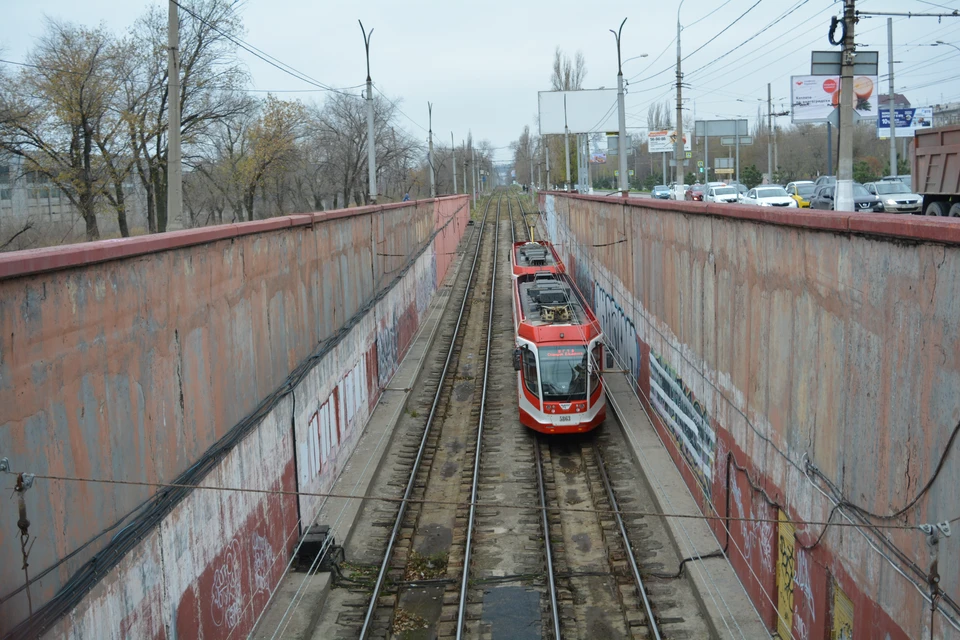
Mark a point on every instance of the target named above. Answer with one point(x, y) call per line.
point(937, 209)
point(955, 210)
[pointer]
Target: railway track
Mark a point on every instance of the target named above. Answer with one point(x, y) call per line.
point(441, 565)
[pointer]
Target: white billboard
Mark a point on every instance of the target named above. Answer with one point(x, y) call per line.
point(907, 120)
point(587, 111)
point(665, 141)
point(815, 97)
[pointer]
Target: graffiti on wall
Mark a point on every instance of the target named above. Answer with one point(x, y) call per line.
point(330, 425)
point(226, 597)
point(785, 574)
point(620, 334)
point(758, 533)
point(262, 558)
point(685, 417)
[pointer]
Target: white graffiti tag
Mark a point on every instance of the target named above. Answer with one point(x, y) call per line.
point(262, 553)
point(802, 579)
point(757, 536)
point(227, 597)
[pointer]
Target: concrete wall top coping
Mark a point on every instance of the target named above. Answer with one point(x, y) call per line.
point(906, 226)
point(33, 261)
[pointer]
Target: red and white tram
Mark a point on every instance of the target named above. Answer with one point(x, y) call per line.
point(559, 351)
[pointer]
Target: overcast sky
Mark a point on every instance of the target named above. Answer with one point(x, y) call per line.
point(482, 64)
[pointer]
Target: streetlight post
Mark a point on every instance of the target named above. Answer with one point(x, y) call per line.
point(622, 137)
point(678, 146)
point(371, 148)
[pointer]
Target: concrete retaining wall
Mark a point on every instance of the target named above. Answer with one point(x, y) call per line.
point(130, 359)
point(792, 359)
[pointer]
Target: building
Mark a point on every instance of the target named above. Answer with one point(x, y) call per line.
point(35, 213)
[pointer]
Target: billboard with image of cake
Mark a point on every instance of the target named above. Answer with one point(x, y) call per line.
point(813, 98)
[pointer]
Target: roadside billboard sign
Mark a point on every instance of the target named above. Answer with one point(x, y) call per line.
point(586, 111)
point(813, 98)
point(664, 141)
point(598, 157)
point(908, 121)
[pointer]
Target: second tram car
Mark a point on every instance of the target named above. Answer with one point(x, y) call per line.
point(559, 345)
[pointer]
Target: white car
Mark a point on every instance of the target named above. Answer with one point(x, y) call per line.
point(769, 197)
point(722, 194)
point(678, 191)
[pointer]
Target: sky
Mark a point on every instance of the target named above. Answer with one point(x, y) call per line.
point(482, 64)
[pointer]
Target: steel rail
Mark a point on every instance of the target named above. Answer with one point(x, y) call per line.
point(651, 620)
point(462, 607)
point(541, 488)
point(381, 575)
point(551, 584)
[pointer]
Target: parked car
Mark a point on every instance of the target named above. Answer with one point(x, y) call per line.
point(895, 196)
point(826, 181)
point(740, 187)
point(864, 201)
point(694, 193)
point(661, 192)
point(722, 194)
point(716, 184)
point(677, 191)
point(907, 179)
point(801, 191)
point(766, 196)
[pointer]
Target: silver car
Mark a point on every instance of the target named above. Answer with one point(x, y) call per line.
point(895, 196)
point(722, 194)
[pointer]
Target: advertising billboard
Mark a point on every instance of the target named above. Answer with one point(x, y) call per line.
point(907, 121)
point(585, 111)
point(664, 141)
point(815, 97)
point(598, 157)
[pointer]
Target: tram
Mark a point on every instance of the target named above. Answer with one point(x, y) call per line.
point(559, 345)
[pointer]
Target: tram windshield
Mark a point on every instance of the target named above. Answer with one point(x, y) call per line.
point(563, 373)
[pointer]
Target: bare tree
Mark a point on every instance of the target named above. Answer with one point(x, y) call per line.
point(210, 84)
point(54, 110)
point(568, 75)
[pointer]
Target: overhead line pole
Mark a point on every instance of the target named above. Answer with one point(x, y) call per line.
point(433, 176)
point(678, 153)
point(622, 135)
point(174, 168)
point(453, 155)
point(844, 197)
point(891, 102)
point(371, 148)
point(769, 136)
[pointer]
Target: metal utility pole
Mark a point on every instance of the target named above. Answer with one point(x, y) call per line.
point(769, 136)
point(453, 156)
point(473, 167)
point(546, 153)
point(829, 149)
point(174, 170)
point(622, 142)
point(844, 201)
point(566, 143)
point(465, 163)
point(371, 148)
point(891, 103)
point(433, 176)
point(678, 153)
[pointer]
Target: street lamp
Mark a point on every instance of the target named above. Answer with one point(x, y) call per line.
point(622, 136)
point(678, 153)
point(947, 44)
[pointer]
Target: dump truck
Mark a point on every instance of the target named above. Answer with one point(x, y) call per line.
point(936, 170)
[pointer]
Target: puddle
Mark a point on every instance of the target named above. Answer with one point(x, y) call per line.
point(513, 612)
point(573, 497)
point(582, 541)
point(434, 539)
point(463, 390)
point(449, 469)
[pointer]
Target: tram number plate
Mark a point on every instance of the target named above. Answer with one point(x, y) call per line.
point(564, 419)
